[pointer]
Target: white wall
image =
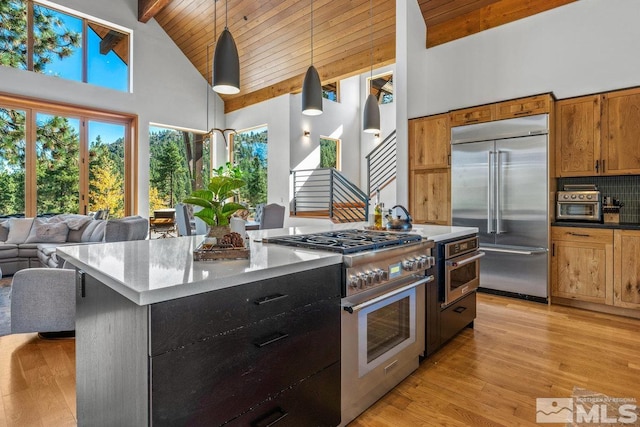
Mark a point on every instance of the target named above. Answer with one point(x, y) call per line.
point(167, 88)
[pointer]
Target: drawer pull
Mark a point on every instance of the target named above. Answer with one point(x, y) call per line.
point(270, 418)
point(275, 337)
point(460, 309)
point(579, 234)
point(270, 298)
point(521, 113)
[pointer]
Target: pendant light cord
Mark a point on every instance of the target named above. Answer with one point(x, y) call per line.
point(371, 37)
point(226, 15)
point(311, 32)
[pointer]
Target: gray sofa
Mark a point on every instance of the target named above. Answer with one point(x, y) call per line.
point(32, 242)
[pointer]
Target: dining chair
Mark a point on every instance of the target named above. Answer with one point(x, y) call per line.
point(182, 220)
point(272, 216)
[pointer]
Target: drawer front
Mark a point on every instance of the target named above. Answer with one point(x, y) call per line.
point(314, 402)
point(186, 320)
point(457, 316)
point(575, 234)
point(483, 113)
point(523, 107)
point(226, 375)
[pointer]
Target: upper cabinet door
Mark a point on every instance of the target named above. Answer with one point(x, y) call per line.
point(578, 136)
point(621, 132)
point(466, 116)
point(429, 139)
point(523, 107)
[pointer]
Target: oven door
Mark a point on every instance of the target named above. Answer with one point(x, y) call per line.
point(389, 324)
point(585, 211)
point(462, 275)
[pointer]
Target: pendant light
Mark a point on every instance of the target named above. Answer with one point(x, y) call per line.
point(371, 119)
point(311, 87)
point(226, 63)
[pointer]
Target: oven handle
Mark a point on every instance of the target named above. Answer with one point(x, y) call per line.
point(353, 308)
point(465, 261)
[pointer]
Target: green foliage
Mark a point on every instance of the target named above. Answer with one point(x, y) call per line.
point(328, 153)
point(216, 210)
point(250, 154)
point(51, 38)
point(168, 170)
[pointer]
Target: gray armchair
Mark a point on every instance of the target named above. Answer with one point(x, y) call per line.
point(43, 300)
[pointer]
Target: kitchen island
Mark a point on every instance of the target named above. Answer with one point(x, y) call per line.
point(164, 340)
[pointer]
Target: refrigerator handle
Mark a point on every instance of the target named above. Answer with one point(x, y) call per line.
point(489, 193)
point(498, 192)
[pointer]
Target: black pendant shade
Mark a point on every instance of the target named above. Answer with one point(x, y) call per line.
point(226, 65)
point(311, 93)
point(371, 120)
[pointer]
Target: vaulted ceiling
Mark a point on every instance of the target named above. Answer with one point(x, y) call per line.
point(274, 36)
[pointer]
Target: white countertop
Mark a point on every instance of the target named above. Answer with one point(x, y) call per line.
point(151, 271)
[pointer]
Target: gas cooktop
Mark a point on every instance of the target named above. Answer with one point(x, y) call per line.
point(346, 241)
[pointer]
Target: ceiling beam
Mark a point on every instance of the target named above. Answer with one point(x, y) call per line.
point(147, 9)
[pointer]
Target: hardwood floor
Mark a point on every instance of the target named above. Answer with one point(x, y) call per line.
point(487, 376)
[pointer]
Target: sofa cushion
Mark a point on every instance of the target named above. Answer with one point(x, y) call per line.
point(8, 250)
point(76, 235)
point(19, 229)
point(4, 231)
point(75, 221)
point(127, 228)
point(28, 250)
point(44, 231)
point(94, 232)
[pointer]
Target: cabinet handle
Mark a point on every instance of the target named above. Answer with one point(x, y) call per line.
point(81, 285)
point(603, 166)
point(521, 113)
point(275, 337)
point(597, 166)
point(269, 298)
point(460, 309)
point(270, 418)
point(472, 120)
point(553, 249)
point(449, 159)
point(579, 234)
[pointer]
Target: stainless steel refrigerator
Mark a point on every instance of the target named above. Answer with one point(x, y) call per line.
point(499, 183)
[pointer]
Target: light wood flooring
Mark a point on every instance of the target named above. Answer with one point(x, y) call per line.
point(487, 376)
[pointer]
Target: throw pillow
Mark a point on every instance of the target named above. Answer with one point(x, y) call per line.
point(18, 229)
point(46, 232)
point(76, 221)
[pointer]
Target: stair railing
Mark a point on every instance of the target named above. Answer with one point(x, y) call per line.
point(325, 192)
point(381, 164)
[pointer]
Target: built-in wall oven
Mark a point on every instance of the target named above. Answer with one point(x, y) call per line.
point(458, 268)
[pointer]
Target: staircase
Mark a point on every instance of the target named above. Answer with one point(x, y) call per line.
point(381, 165)
point(326, 193)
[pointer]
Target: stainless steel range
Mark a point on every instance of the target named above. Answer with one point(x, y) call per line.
point(383, 317)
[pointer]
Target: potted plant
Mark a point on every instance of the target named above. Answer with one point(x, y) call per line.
point(214, 199)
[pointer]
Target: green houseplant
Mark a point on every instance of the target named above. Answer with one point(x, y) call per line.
point(216, 209)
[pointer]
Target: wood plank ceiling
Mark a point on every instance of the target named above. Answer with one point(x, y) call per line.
point(274, 41)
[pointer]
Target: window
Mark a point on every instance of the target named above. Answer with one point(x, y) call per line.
point(249, 152)
point(382, 87)
point(179, 163)
point(330, 92)
point(55, 45)
point(329, 152)
point(49, 164)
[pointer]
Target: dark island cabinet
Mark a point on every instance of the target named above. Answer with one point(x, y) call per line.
point(262, 353)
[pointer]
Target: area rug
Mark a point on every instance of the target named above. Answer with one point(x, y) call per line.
point(5, 306)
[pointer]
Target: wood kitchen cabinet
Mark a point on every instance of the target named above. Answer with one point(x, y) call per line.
point(430, 201)
point(582, 264)
point(429, 141)
point(598, 134)
point(626, 278)
point(521, 107)
point(467, 116)
point(429, 170)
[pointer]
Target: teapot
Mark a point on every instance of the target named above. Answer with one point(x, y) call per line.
point(398, 223)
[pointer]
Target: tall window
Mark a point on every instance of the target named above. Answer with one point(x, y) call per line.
point(180, 162)
point(249, 153)
point(382, 87)
point(329, 152)
point(54, 45)
point(62, 159)
point(330, 92)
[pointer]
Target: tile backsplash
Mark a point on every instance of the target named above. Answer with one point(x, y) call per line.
point(625, 188)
